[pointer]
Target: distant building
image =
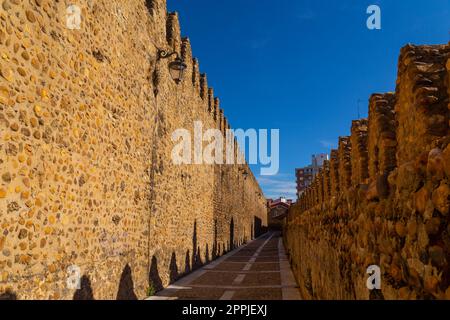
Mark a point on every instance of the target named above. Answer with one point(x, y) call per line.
point(277, 212)
point(317, 161)
point(304, 179)
point(306, 175)
point(272, 202)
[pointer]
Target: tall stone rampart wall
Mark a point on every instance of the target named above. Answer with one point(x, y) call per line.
point(389, 199)
point(87, 177)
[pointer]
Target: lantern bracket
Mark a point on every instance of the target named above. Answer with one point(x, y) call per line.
point(163, 54)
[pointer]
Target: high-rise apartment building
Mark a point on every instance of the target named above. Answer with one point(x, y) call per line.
point(306, 175)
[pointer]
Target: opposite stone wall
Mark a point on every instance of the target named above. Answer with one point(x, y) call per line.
point(395, 214)
point(87, 179)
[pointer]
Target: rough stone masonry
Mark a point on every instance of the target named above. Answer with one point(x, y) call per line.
point(384, 197)
point(86, 176)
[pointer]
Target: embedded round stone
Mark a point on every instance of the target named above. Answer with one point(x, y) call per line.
point(38, 111)
point(7, 73)
point(25, 56)
point(6, 5)
point(6, 177)
point(30, 16)
point(22, 72)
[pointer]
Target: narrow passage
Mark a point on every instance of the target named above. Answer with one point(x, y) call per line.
point(257, 271)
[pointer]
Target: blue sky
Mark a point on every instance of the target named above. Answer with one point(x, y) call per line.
point(302, 65)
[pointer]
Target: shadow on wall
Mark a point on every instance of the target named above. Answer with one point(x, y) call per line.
point(153, 277)
point(85, 292)
point(215, 248)
point(173, 269)
point(187, 262)
point(192, 263)
point(126, 285)
point(257, 227)
point(150, 5)
point(206, 254)
point(8, 295)
point(196, 257)
point(231, 244)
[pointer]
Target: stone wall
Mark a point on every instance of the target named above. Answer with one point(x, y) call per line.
point(86, 118)
point(390, 195)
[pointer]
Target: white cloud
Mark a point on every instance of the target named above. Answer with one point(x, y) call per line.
point(328, 144)
point(279, 185)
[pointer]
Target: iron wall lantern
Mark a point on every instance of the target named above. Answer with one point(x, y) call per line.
point(244, 173)
point(176, 67)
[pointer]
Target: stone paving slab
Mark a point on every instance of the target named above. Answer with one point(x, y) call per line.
point(268, 259)
point(203, 294)
point(269, 253)
point(265, 266)
point(258, 294)
point(215, 278)
point(230, 266)
point(237, 259)
point(254, 279)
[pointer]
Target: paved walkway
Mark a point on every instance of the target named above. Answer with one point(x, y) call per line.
point(256, 271)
